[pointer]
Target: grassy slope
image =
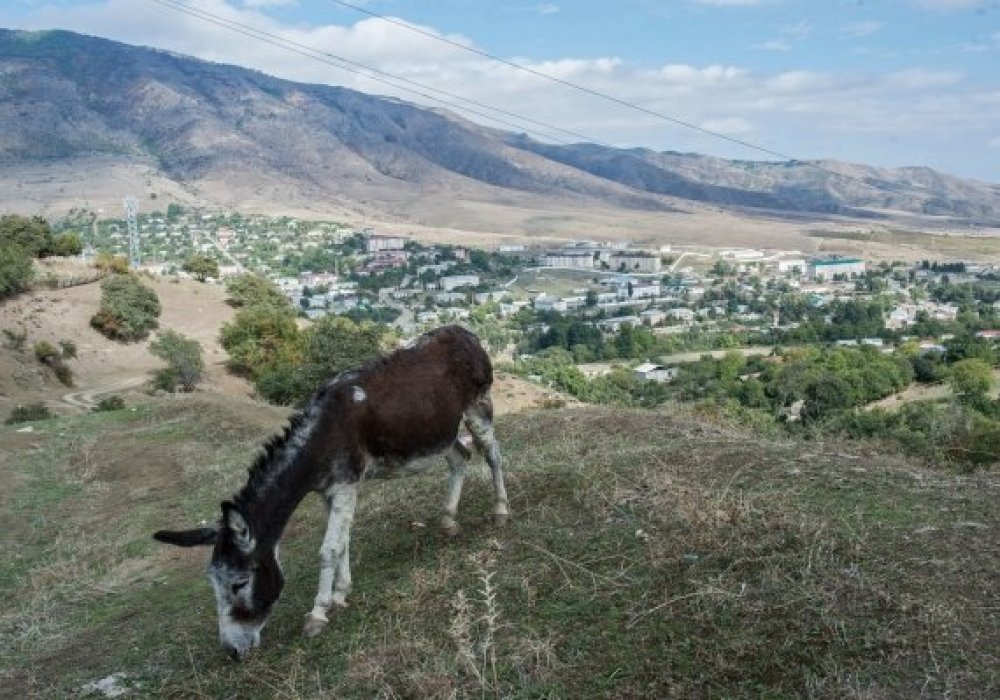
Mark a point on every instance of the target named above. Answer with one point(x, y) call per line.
point(651, 555)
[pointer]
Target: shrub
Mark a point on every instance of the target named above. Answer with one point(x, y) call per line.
point(128, 311)
point(260, 336)
point(29, 412)
point(16, 269)
point(106, 262)
point(185, 366)
point(68, 349)
point(67, 244)
point(109, 403)
point(46, 352)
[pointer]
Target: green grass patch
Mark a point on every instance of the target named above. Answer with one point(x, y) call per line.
point(650, 555)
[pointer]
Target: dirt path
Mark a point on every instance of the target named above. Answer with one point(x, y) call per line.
point(88, 398)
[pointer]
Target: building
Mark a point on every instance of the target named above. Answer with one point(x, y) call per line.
point(574, 259)
point(655, 373)
point(375, 244)
point(636, 262)
point(451, 282)
point(828, 268)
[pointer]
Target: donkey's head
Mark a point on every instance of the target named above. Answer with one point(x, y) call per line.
point(246, 577)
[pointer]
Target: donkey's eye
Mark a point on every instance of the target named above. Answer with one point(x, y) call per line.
point(237, 587)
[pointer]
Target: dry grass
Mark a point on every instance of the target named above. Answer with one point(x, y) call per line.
point(651, 554)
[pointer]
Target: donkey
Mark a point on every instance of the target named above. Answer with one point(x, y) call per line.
point(389, 418)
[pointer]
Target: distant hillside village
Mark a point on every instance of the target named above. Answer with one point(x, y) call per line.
point(694, 294)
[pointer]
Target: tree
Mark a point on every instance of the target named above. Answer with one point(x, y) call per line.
point(330, 346)
point(67, 244)
point(252, 289)
point(33, 234)
point(16, 270)
point(129, 309)
point(971, 378)
point(201, 266)
point(185, 366)
point(260, 336)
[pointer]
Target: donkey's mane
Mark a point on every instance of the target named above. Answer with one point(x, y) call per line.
point(269, 460)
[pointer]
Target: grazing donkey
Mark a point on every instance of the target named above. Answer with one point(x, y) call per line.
point(389, 418)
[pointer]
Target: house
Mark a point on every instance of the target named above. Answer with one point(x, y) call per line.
point(636, 262)
point(376, 244)
point(653, 317)
point(655, 373)
point(455, 281)
point(574, 259)
point(614, 325)
point(828, 268)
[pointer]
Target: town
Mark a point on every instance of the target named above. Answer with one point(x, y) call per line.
point(691, 298)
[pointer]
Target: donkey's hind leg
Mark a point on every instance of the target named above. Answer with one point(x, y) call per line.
point(457, 457)
point(479, 421)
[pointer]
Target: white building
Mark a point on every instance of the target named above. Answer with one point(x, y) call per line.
point(655, 373)
point(455, 281)
point(375, 244)
point(636, 262)
point(827, 268)
point(574, 259)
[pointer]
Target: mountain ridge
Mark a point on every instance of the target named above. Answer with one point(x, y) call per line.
point(66, 96)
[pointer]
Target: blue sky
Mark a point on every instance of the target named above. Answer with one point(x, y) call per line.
point(883, 82)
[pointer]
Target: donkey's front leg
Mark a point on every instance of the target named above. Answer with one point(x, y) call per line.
point(334, 556)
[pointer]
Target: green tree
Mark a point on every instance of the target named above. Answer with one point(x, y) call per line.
point(330, 346)
point(33, 234)
point(16, 269)
point(185, 366)
point(201, 266)
point(129, 309)
point(260, 336)
point(67, 244)
point(252, 289)
point(971, 378)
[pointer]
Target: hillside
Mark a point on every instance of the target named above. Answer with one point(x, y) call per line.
point(180, 129)
point(651, 554)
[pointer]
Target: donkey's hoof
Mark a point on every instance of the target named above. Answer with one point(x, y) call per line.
point(314, 625)
point(501, 519)
point(449, 526)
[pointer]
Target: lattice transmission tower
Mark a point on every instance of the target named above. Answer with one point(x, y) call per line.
point(131, 219)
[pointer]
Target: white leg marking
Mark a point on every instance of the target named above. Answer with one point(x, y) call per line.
point(482, 432)
point(334, 556)
point(456, 462)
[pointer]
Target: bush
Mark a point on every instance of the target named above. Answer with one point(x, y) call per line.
point(128, 311)
point(29, 412)
point(67, 244)
point(185, 366)
point(109, 403)
point(16, 269)
point(46, 352)
point(106, 262)
point(68, 349)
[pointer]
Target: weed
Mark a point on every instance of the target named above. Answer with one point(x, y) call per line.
point(29, 412)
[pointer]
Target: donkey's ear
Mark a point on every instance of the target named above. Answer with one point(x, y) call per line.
point(233, 519)
point(188, 538)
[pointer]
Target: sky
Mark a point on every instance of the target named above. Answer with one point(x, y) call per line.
point(882, 82)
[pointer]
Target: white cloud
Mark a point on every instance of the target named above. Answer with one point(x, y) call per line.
point(862, 29)
point(269, 3)
point(863, 115)
point(773, 45)
point(993, 142)
point(547, 8)
point(946, 5)
point(731, 3)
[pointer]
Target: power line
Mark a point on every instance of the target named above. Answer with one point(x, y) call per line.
point(611, 98)
point(376, 74)
point(372, 73)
